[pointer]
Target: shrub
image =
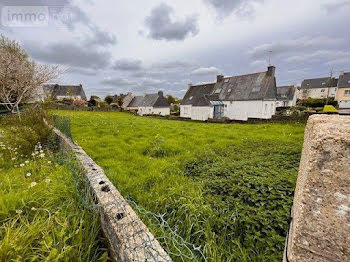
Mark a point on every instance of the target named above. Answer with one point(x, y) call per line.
point(80, 102)
point(329, 110)
point(317, 102)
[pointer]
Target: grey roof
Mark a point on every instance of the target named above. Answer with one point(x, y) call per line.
point(136, 101)
point(196, 95)
point(322, 82)
point(344, 80)
point(285, 92)
point(256, 86)
point(65, 90)
point(150, 100)
point(154, 100)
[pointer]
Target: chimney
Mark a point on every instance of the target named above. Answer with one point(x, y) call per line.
point(160, 93)
point(341, 73)
point(219, 78)
point(271, 71)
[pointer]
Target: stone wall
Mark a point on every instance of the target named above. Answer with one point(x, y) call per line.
point(320, 227)
point(129, 239)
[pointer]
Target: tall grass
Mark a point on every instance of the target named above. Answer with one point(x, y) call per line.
point(226, 188)
point(43, 211)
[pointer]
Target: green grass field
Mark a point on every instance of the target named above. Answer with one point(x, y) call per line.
point(43, 210)
point(226, 188)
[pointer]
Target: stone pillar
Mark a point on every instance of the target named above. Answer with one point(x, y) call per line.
point(320, 226)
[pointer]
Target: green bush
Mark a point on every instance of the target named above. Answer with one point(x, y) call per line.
point(329, 109)
point(317, 102)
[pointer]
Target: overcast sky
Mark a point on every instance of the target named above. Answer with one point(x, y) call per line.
point(114, 46)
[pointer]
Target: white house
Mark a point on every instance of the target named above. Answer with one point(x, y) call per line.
point(149, 104)
point(237, 98)
point(318, 88)
point(286, 96)
point(59, 92)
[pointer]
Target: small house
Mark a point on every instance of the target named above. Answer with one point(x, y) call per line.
point(237, 98)
point(286, 96)
point(154, 104)
point(60, 92)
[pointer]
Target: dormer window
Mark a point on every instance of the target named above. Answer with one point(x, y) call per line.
point(256, 89)
point(229, 91)
point(217, 91)
point(323, 83)
point(226, 80)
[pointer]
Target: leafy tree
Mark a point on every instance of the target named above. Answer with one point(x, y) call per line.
point(171, 99)
point(109, 99)
point(20, 76)
point(93, 101)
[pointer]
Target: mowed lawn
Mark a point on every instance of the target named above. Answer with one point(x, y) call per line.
point(225, 187)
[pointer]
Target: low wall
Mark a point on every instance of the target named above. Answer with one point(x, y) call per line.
point(82, 108)
point(128, 237)
point(320, 227)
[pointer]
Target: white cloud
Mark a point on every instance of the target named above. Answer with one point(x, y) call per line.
point(205, 71)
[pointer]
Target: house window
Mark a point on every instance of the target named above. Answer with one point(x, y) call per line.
point(323, 83)
point(322, 90)
point(149, 110)
point(256, 89)
point(265, 108)
point(347, 93)
point(283, 96)
point(185, 110)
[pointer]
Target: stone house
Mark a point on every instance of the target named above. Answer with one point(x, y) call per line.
point(60, 92)
point(237, 98)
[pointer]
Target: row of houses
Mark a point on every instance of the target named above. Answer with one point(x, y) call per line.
point(240, 97)
point(256, 95)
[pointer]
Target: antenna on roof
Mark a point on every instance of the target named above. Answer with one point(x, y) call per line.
point(270, 53)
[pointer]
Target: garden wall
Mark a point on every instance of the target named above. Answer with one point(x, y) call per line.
point(129, 239)
point(320, 226)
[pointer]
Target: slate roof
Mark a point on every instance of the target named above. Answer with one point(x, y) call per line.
point(136, 101)
point(250, 87)
point(65, 90)
point(256, 86)
point(285, 92)
point(150, 100)
point(196, 95)
point(154, 100)
point(344, 80)
point(319, 83)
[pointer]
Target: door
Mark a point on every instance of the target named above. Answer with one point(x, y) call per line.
point(218, 111)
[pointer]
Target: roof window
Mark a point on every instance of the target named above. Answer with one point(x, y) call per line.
point(226, 80)
point(229, 90)
point(323, 83)
point(256, 89)
point(190, 97)
point(217, 91)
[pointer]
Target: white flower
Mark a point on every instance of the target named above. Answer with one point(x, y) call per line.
point(13, 158)
point(26, 162)
point(21, 165)
point(33, 154)
point(42, 155)
point(29, 174)
point(41, 151)
point(19, 211)
point(33, 208)
point(49, 162)
point(33, 184)
point(47, 180)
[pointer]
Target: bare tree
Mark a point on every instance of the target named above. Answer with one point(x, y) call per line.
point(20, 76)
